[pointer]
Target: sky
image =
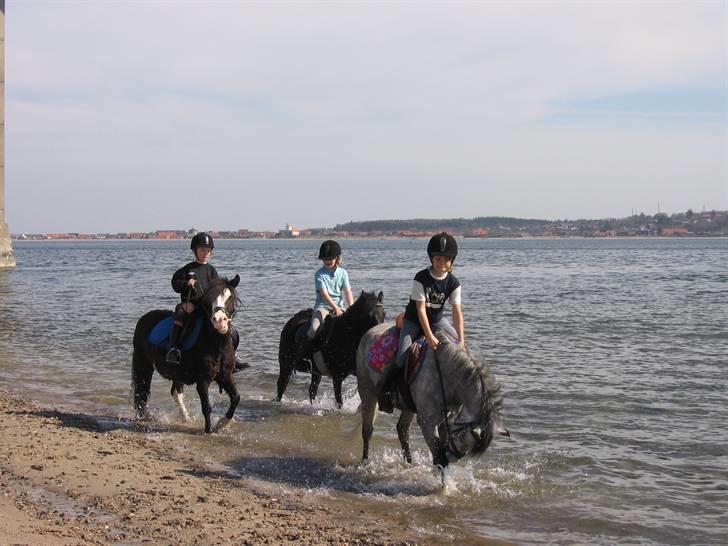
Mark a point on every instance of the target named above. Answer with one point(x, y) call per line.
point(141, 116)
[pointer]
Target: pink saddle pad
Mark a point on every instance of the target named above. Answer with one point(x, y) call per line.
point(384, 349)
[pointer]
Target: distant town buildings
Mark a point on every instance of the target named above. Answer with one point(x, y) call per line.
point(688, 224)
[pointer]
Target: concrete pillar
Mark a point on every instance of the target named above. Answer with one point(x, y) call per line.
point(7, 256)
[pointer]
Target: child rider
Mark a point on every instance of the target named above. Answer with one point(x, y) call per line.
point(431, 288)
point(333, 290)
point(190, 282)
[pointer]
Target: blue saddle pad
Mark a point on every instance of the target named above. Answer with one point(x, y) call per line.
point(160, 334)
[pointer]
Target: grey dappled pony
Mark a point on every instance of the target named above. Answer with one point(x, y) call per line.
point(472, 401)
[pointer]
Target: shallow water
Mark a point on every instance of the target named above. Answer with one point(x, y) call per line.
point(611, 353)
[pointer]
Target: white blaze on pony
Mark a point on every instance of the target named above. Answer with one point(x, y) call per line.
point(220, 317)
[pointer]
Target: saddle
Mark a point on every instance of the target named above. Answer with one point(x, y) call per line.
point(382, 354)
point(323, 334)
point(160, 334)
point(384, 349)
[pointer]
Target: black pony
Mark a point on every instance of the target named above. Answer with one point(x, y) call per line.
point(211, 358)
point(337, 339)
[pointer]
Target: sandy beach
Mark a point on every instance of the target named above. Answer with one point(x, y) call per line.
point(65, 479)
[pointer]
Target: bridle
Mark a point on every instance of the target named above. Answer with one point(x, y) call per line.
point(236, 307)
point(458, 426)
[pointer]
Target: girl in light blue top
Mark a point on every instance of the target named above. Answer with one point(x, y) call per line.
point(333, 291)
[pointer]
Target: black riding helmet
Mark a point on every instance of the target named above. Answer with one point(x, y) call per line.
point(202, 239)
point(329, 249)
point(442, 244)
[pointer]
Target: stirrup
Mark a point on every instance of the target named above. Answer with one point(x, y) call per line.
point(174, 356)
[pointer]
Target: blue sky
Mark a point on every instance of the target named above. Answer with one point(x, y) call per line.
point(130, 116)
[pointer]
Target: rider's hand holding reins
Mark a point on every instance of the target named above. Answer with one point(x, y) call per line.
point(425, 323)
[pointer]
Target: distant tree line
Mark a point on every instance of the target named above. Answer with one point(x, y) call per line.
point(704, 223)
point(457, 225)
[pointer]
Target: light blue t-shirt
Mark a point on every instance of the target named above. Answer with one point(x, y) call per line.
point(334, 282)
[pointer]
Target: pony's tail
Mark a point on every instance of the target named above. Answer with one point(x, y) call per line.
point(141, 373)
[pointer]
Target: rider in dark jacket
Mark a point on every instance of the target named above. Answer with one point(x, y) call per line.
point(190, 282)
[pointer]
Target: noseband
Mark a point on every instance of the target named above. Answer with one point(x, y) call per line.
point(458, 427)
point(224, 310)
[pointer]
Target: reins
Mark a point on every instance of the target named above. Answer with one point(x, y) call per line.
point(461, 425)
point(455, 451)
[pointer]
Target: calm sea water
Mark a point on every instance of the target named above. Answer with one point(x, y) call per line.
point(612, 355)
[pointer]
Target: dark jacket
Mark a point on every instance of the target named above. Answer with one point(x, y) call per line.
point(204, 273)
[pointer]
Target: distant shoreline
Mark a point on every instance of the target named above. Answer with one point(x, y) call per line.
point(394, 238)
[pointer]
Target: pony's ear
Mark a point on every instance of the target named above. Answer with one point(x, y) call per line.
point(380, 297)
point(362, 294)
point(235, 280)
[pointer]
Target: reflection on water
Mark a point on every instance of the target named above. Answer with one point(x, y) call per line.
point(611, 355)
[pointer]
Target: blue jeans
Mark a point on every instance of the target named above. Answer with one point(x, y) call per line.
point(411, 331)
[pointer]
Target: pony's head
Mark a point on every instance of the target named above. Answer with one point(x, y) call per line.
point(471, 427)
point(220, 303)
point(368, 309)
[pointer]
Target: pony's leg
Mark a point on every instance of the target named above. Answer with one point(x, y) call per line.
point(229, 387)
point(177, 393)
point(313, 387)
point(368, 414)
point(338, 380)
point(142, 371)
point(284, 376)
point(403, 428)
point(202, 390)
point(434, 441)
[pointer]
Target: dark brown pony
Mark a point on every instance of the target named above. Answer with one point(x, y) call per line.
point(212, 358)
point(337, 340)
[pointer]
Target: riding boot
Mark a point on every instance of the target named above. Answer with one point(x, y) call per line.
point(386, 386)
point(239, 364)
point(174, 355)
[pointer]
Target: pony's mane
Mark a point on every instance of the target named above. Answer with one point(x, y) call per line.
point(472, 374)
point(364, 298)
point(365, 302)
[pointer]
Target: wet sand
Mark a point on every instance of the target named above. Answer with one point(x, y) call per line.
point(66, 479)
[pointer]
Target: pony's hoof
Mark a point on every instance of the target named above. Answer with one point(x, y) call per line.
point(222, 424)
